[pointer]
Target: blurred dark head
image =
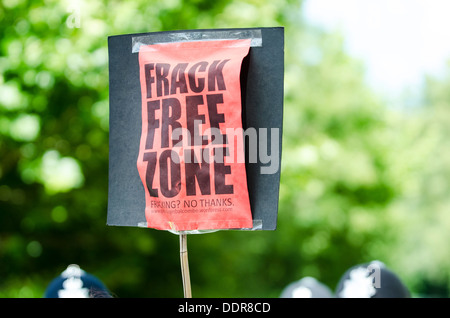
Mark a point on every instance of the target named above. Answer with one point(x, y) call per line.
point(307, 287)
point(76, 283)
point(371, 280)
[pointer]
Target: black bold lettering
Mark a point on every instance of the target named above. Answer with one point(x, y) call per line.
point(149, 79)
point(220, 171)
point(178, 79)
point(171, 112)
point(193, 118)
point(175, 174)
point(162, 70)
point(200, 85)
point(153, 123)
point(215, 75)
point(196, 171)
point(216, 118)
point(150, 157)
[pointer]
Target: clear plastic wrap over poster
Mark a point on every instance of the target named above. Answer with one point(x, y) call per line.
point(191, 138)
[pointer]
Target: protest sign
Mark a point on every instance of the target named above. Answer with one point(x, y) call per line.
point(191, 118)
point(195, 129)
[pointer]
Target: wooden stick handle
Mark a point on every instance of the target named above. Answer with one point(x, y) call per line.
point(185, 266)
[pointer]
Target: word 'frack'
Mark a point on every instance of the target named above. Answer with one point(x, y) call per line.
point(159, 77)
point(165, 114)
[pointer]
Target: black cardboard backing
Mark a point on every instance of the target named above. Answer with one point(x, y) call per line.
point(262, 97)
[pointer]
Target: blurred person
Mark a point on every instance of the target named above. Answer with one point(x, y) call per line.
point(307, 287)
point(371, 280)
point(76, 283)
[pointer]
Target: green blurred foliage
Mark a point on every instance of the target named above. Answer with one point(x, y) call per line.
point(360, 181)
